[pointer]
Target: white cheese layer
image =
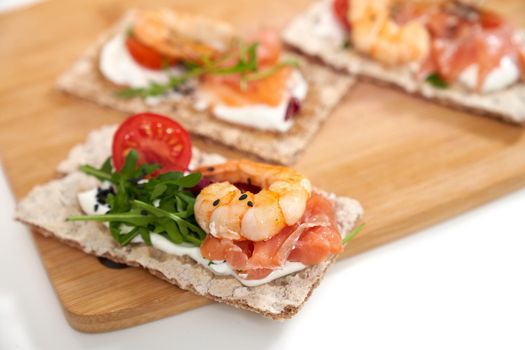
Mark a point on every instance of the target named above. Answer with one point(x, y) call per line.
point(88, 203)
point(506, 74)
point(117, 66)
point(328, 27)
point(266, 117)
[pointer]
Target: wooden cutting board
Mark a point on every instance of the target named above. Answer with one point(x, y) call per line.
point(410, 163)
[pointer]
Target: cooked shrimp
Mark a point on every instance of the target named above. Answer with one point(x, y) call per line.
point(376, 34)
point(181, 35)
point(223, 211)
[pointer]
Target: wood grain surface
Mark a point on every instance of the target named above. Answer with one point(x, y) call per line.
point(409, 162)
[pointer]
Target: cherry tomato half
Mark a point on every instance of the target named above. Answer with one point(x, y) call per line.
point(157, 140)
point(341, 8)
point(144, 55)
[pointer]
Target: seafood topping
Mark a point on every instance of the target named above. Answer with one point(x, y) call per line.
point(182, 36)
point(268, 89)
point(464, 35)
point(234, 72)
point(376, 34)
point(241, 80)
point(246, 187)
point(257, 232)
point(310, 241)
point(280, 202)
point(243, 187)
point(447, 37)
point(239, 218)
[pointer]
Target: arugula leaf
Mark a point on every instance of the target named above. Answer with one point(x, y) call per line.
point(131, 92)
point(130, 163)
point(145, 235)
point(352, 234)
point(436, 81)
point(129, 31)
point(158, 190)
point(346, 44)
point(125, 218)
point(125, 239)
point(107, 167)
point(173, 231)
point(100, 174)
point(272, 70)
point(188, 181)
point(143, 203)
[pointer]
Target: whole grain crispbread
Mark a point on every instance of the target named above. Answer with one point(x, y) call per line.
point(326, 88)
point(507, 104)
point(47, 207)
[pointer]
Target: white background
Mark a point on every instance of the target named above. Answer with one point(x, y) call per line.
point(458, 285)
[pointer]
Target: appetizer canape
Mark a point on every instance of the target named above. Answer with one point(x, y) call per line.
point(446, 51)
point(253, 235)
point(242, 91)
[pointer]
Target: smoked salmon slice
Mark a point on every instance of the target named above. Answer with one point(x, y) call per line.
point(310, 241)
point(463, 35)
point(270, 90)
point(229, 91)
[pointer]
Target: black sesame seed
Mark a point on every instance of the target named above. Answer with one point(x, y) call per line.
point(250, 203)
point(96, 207)
point(102, 194)
point(243, 196)
point(211, 168)
point(216, 202)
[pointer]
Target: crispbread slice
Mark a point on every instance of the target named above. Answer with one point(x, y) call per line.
point(47, 207)
point(326, 88)
point(508, 104)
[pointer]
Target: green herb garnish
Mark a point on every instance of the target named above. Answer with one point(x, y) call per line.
point(246, 66)
point(162, 204)
point(346, 44)
point(352, 234)
point(129, 31)
point(436, 81)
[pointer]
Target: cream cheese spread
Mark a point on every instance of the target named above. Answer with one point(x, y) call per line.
point(266, 117)
point(90, 206)
point(504, 75)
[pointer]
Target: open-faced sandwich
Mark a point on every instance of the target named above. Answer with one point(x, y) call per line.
point(242, 91)
point(446, 51)
point(253, 235)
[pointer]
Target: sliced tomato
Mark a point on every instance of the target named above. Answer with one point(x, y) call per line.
point(341, 8)
point(156, 139)
point(146, 56)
